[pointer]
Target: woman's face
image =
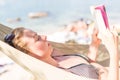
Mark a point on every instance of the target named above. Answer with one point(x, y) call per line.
point(37, 44)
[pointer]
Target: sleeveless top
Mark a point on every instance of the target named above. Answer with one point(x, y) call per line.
point(85, 70)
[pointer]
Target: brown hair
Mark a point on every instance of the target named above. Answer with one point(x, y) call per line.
point(18, 32)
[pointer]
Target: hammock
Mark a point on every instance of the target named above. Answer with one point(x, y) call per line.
point(39, 69)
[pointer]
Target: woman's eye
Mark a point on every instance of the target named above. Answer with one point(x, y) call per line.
point(38, 38)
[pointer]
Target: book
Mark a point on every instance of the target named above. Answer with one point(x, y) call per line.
point(100, 15)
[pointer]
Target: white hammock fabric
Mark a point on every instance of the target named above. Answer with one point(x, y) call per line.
point(38, 70)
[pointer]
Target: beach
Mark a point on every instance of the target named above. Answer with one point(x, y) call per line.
point(56, 14)
point(50, 17)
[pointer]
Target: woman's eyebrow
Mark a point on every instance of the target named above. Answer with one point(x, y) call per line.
point(30, 34)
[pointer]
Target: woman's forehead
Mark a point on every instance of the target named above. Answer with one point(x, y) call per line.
point(27, 35)
point(28, 32)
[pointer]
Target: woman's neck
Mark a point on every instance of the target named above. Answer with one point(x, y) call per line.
point(47, 59)
point(51, 61)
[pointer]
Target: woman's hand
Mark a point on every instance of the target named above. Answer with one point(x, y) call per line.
point(95, 40)
point(110, 40)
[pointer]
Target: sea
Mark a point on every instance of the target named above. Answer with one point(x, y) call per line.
point(60, 13)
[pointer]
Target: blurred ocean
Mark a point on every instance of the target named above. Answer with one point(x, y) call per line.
point(60, 12)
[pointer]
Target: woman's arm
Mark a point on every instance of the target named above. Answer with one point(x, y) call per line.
point(110, 40)
point(93, 48)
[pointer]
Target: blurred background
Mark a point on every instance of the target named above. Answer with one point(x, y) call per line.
point(49, 15)
point(45, 16)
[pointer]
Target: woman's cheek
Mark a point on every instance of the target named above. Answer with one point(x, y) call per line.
point(41, 46)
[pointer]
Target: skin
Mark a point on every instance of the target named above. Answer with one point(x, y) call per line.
point(110, 40)
point(41, 49)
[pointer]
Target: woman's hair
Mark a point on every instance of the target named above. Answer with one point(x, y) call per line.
point(14, 40)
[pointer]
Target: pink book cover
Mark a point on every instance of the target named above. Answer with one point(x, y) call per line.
point(104, 14)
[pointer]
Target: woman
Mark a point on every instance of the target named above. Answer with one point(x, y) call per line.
point(37, 46)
